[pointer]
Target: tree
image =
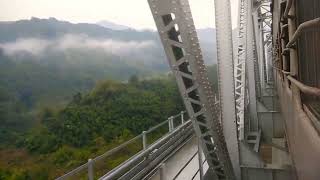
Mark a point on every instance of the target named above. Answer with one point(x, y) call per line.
point(133, 79)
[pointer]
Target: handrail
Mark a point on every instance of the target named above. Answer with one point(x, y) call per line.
point(116, 149)
point(157, 126)
point(138, 157)
point(277, 68)
point(285, 72)
point(285, 51)
point(288, 7)
point(302, 27)
point(282, 71)
point(304, 88)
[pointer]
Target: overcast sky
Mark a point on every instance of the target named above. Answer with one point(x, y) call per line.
point(133, 13)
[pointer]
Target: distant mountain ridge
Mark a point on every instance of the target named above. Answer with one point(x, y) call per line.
point(114, 26)
point(43, 60)
point(52, 29)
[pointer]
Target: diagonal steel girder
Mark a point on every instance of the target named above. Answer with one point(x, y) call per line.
point(178, 35)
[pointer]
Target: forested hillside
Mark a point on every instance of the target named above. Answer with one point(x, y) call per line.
point(111, 112)
point(88, 125)
point(72, 91)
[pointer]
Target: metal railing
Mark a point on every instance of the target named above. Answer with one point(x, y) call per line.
point(161, 168)
point(286, 11)
point(172, 126)
point(304, 88)
point(145, 161)
point(302, 27)
point(290, 46)
point(300, 123)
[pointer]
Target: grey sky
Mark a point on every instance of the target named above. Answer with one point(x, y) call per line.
point(133, 13)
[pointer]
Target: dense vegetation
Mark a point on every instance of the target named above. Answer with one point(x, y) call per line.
point(60, 108)
point(111, 111)
point(87, 126)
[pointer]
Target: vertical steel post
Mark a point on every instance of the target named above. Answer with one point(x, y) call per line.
point(262, 55)
point(170, 123)
point(254, 126)
point(90, 169)
point(162, 172)
point(144, 140)
point(182, 117)
point(259, 49)
point(257, 56)
point(226, 81)
point(292, 27)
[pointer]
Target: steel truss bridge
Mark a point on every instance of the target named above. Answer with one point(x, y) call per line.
point(265, 123)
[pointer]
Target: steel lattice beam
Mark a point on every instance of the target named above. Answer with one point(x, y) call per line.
point(178, 35)
point(262, 18)
point(240, 68)
point(245, 85)
point(265, 18)
point(227, 80)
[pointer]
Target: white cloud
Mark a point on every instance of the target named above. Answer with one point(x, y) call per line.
point(33, 46)
point(109, 45)
point(37, 47)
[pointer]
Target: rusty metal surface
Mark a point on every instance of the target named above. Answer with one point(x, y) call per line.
point(302, 134)
point(309, 52)
point(303, 139)
point(307, 90)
